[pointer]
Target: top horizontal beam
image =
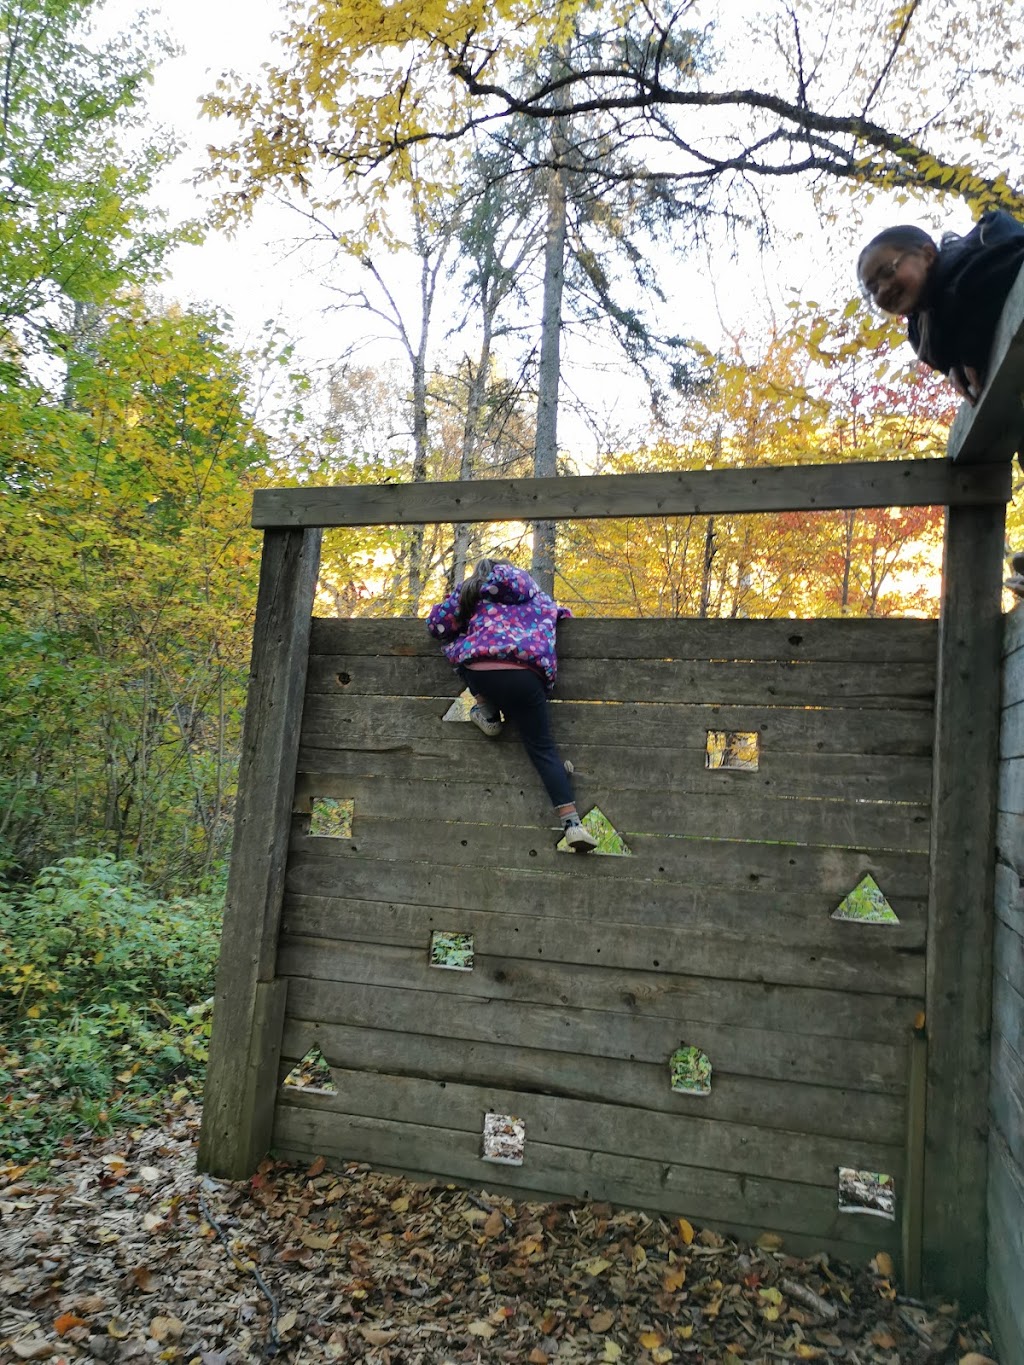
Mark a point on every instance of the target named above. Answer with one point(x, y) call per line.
point(793, 488)
point(993, 429)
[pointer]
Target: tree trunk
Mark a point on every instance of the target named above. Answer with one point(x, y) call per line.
point(545, 459)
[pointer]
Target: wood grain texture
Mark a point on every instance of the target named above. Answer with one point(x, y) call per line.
point(960, 898)
point(1006, 1252)
point(376, 723)
point(248, 1008)
point(655, 859)
point(639, 1085)
point(803, 1159)
point(840, 640)
point(630, 902)
point(882, 778)
point(554, 1027)
point(553, 937)
point(685, 984)
point(799, 488)
point(669, 1187)
point(725, 815)
point(890, 686)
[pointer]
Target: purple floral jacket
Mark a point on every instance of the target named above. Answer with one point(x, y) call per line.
point(513, 620)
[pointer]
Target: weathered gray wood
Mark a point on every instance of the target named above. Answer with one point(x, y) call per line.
point(881, 778)
point(1011, 733)
point(642, 1086)
point(1008, 1026)
point(1009, 897)
point(960, 916)
point(654, 857)
point(1011, 786)
point(1013, 636)
point(838, 640)
point(576, 901)
point(596, 1033)
point(681, 987)
point(1008, 956)
point(735, 814)
point(1010, 840)
point(1006, 1252)
point(243, 1047)
point(801, 1158)
point(540, 889)
point(911, 1189)
point(892, 686)
point(554, 935)
point(1007, 1100)
point(704, 1196)
point(993, 429)
point(799, 488)
point(377, 723)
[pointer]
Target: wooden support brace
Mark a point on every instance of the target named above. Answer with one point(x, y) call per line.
point(959, 982)
point(703, 492)
point(248, 1014)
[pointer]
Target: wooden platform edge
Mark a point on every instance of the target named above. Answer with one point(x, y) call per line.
point(791, 488)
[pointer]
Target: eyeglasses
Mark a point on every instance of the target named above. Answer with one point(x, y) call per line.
point(884, 274)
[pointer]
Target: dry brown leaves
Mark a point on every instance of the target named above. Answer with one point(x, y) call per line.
point(125, 1253)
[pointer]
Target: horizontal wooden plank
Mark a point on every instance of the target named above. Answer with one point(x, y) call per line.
point(822, 1109)
point(890, 687)
point(689, 861)
point(836, 640)
point(993, 428)
point(549, 940)
point(333, 722)
point(542, 890)
point(802, 1158)
point(597, 1033)
point(798, 488)
point(685, 986)
point(735, 814)
point(703, 1196)
point(854, 777)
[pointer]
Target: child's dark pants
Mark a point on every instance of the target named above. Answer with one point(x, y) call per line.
point(519, 694)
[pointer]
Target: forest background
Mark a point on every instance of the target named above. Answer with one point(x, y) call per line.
point(551, 239)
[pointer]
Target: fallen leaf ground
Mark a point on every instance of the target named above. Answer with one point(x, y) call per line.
point(120, 1251)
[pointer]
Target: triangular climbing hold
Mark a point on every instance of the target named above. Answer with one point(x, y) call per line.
point(459, 709)
point(609, 841)
point(312, 1073)
point(866, 904)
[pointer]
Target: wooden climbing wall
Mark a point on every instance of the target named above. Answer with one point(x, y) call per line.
point(714, 933)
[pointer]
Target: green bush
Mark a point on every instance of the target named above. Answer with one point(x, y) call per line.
point(104, 1001)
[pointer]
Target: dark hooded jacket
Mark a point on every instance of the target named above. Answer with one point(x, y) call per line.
point(967, 287)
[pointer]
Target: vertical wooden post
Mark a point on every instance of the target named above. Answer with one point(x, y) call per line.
point(248, 1015)
point(959, 981)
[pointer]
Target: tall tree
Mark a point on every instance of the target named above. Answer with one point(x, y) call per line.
point(889, 93)
point(76, 226)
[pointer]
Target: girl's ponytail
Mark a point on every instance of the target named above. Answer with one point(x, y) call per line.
point(469, 595)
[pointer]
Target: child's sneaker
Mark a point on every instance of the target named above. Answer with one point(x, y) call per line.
point(578, 838)
point(490, 725)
